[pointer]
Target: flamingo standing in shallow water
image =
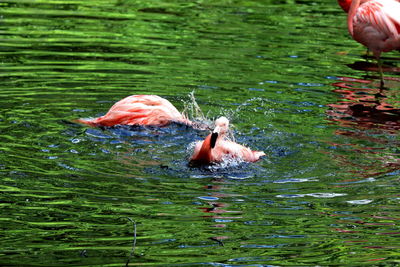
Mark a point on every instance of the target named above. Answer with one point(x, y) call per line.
point(375, 24)
point(139, 110)
point(216, 147)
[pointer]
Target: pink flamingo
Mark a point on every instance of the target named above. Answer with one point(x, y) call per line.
point(375, 24)
point(216, 147)
point(139, 110)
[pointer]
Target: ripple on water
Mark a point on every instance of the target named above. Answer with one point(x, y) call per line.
point(360, 201)
point(316, 195)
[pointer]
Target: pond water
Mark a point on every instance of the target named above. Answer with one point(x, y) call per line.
point(286, 73)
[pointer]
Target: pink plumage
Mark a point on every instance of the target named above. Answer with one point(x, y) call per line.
point(374, 23)
point(139, 110)
point(216, 147)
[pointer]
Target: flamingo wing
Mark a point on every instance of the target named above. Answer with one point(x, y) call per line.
point(377, 25)
point(139, 110)
point(229, 149)
point(384, 15)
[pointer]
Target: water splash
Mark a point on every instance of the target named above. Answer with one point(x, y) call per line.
point(193, 112)
point(200, 121)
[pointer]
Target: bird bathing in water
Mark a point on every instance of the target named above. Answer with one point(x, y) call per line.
point(375, 24)
point(216, 147)
point(139, 110)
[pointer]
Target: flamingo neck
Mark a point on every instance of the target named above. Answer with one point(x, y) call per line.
point(205, 150)
point(345, 5)
point(186, 121)
point(352, 12)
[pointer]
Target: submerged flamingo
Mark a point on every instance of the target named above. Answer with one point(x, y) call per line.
point(375, 24)
point(216, 147)
point(139, 110)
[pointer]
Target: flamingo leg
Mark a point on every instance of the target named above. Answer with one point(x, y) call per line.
point(380, 72)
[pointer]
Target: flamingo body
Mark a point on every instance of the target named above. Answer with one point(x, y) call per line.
point(374, 23)
point(216, 147)
point(139, 110)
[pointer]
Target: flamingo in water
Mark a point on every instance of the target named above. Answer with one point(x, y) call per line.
point(216, 147)
point(375, 24)
point(139, 110)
